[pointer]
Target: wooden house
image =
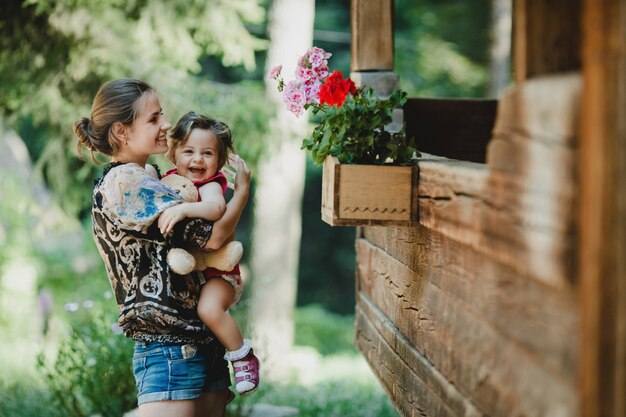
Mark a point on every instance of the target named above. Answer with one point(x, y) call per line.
point(505, 294)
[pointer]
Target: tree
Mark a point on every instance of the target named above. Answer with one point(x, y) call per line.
point(500, 48)
point(55, 54)
point(278, 197)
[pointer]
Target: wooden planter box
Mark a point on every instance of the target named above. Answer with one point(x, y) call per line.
point(368, 195)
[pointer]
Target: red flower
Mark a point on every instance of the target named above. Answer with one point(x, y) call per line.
point(335, 89)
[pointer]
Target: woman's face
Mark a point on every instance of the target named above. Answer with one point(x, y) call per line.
point(197, 158)
point(147, 134)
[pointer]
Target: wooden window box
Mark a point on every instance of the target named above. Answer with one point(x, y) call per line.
point(368, 195)
point(373, 195)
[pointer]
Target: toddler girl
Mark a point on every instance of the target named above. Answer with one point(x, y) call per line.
point(200, 146)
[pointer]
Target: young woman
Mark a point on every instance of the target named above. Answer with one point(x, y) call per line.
point(178, 364)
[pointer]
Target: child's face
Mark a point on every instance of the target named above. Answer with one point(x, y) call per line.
point(147, 134)
point(197, 158)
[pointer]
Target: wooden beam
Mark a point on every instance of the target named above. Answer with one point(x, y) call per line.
point(541, 319)
point(371, 24)
point(414, 385)
point(495, 372)
point(602, 221)
point(546, 37)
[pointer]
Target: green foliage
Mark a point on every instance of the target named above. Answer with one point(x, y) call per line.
point(91, 373)
point(327, 332)
point(441, 48)
point(55, 54)
point(28, 398)
point(354, 132)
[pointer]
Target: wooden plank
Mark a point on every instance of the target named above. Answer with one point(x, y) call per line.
point(526, 225)
point(602, 219)
point(454, 128)
point(545, 109)
point(497, 374)
point(371, 23)
point(546, 37)
point(542, 320)
point(329, 185)
point(520, 207)
point(411, 381)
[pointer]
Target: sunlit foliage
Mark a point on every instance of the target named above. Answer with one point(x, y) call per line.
point(55, 54)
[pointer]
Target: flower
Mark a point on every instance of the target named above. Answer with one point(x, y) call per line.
point(334, 91)
point(275, 72)
point(351, 120)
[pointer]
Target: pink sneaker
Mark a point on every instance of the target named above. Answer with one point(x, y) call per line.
point(246, 374)
point(245, 367)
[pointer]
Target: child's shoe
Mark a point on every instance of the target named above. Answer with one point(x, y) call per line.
point(246, 368)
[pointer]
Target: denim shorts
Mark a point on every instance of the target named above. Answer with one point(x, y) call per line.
point(178, 371)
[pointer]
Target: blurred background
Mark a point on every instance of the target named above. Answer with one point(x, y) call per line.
point(61, 353)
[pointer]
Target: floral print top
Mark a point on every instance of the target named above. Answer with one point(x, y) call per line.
point(155, 304)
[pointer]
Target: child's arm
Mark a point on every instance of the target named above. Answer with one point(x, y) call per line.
point(212, 207)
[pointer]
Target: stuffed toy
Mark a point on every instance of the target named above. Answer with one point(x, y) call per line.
point(182, 261)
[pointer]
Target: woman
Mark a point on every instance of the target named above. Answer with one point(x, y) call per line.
point(177, 363)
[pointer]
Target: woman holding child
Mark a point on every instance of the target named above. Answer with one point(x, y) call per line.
point(177, 362)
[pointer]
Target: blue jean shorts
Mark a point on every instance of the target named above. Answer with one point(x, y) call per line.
point(178, 371)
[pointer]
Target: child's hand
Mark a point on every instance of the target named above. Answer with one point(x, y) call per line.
point(169, 218)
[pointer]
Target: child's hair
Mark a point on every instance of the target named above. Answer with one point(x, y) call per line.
point(115, 101)
point(192, 120)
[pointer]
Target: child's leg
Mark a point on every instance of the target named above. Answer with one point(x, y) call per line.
point(215, 298)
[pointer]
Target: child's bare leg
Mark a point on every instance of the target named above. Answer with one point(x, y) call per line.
point(215, 298)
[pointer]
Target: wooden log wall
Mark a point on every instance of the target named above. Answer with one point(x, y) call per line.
point(602, 219)
point(474, 312)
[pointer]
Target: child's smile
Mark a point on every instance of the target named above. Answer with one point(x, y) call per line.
point(197, 158)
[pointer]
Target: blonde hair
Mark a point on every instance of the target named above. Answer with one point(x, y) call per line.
point(115, 101)
point(192, 120)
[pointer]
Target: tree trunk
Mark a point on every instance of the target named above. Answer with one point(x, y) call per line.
point(500, 49)
point(278, 198)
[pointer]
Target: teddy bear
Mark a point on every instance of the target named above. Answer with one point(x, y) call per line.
point(182, 261)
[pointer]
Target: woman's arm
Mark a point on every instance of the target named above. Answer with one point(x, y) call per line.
point(132, 200)
point(225, 227)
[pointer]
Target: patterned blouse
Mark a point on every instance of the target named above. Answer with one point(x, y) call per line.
point(155, 304)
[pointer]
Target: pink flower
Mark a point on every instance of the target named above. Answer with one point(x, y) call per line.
point(294, 97)
point(304, 74)
point(275, 72)
point(321, 71)
point(317, 56)
point(311, 71)
point(312, 92)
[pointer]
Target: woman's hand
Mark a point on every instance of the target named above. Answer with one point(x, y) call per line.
point(242, 178)
point(171, 216)
point(225, 227)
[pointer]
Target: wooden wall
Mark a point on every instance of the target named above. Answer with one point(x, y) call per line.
point(474, 312)
point(602, 219)
point(509, 297)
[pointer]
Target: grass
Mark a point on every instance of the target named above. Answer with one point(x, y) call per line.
point(329, 378)
point(329, 386)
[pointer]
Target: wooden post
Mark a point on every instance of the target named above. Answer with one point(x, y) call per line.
point(602, 220)
point(372, 35)
point(546, 37)
point(371, 63)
